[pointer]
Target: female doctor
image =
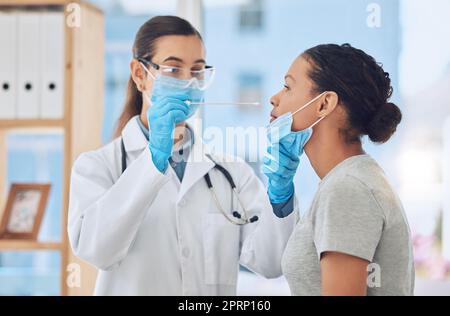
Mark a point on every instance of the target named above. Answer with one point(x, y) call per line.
point(154, 211)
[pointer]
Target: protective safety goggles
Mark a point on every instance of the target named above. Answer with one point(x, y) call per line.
point(181, 77)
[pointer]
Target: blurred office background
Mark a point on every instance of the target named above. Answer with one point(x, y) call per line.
point(252, 43)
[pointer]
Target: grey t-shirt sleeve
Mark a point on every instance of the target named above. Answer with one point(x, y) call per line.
point(348, 219)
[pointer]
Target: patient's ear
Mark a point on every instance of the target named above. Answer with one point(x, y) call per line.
point(328, 103)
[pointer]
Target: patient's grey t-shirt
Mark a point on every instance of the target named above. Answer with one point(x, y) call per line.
point(355, 212)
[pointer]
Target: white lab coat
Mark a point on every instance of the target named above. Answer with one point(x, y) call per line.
point(149, 234)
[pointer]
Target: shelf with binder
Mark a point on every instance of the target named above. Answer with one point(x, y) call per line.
point(32, 63)
point(51, 79)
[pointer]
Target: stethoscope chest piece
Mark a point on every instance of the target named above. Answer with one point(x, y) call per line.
point(234, 217)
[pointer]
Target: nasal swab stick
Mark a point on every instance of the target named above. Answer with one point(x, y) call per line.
point(223, 103)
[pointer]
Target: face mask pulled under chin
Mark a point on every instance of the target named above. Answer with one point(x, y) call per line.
point(282, 127)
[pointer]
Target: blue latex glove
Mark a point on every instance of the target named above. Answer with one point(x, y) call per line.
point(162, 117)
point(280, 166)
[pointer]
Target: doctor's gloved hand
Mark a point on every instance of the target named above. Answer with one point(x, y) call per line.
point(163, 115)
point(280, 166)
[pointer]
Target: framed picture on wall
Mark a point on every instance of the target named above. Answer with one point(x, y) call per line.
point(24, 211)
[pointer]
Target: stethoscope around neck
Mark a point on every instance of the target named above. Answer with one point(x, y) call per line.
point(235, 217)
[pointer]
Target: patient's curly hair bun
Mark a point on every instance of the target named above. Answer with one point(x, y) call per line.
point(363, 87)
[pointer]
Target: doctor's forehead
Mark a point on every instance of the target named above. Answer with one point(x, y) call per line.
point(179, 49)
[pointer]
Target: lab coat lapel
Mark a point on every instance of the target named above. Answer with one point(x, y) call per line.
point(196, 167)
point(132, 135)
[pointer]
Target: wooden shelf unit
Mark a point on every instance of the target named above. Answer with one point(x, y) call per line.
point(27, 123)
point(26, 245)
point(81, 124)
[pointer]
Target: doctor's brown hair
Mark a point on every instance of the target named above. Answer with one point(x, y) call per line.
point(144, 47)
point(363, 88)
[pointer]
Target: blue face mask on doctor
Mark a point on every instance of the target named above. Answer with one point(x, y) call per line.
point(166, 86)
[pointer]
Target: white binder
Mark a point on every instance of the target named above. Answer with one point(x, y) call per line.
point(28, 65)
point(8, 78)
point(52, 63)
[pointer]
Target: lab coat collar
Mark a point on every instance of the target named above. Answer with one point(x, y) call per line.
point(198, 164)
point(132, 135)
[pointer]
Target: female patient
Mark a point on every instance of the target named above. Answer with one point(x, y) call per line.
point(355, 239)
